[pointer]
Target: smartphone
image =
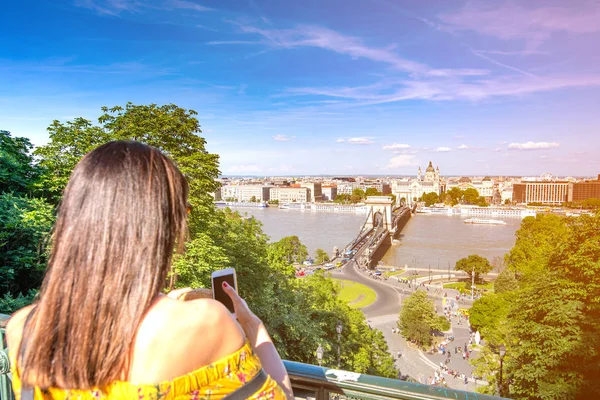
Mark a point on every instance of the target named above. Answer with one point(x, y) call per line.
point(217, 278)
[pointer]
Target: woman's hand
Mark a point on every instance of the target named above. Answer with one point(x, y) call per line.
point(247, 319)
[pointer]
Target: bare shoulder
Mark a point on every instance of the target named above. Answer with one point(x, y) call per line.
point(14, 328)
point(197, 332)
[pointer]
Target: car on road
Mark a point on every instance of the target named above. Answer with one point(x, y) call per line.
point(377, 273)
point(329, 266)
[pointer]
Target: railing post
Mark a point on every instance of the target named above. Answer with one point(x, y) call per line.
point(5, 385)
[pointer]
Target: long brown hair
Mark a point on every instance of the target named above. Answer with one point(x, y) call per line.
point(122, 213)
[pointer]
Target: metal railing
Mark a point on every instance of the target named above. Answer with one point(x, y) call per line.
point(5, 382)
point(311, 382)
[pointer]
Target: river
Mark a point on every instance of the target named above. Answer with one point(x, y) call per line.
point(424, 240)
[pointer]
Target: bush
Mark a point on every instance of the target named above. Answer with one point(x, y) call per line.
point(9, 304)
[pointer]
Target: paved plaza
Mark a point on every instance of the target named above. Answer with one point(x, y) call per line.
point(383, 315)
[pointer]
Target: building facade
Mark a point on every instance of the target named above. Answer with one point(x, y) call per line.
point(555, 192)
point(316, 193)
point(245, 193)
point(290, 194)
point(586, 190)
point(412, 189)
point(329, 192)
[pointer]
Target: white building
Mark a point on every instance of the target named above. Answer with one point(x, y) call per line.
point(315, 190)
point(412, 189)
point(290, 194)
point(245, 192)
point(329, 192)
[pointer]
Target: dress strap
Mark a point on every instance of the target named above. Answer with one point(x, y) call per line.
point(249, 388)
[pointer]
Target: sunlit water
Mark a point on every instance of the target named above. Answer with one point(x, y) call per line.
point(424, 240)
point(315, 229)
point(427, 240)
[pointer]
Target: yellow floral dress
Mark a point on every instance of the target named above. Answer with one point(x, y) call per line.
point(213, 381)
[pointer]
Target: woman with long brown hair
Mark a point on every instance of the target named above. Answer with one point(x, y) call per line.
point(101, 327)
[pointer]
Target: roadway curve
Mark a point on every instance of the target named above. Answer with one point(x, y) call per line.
point(388, 299)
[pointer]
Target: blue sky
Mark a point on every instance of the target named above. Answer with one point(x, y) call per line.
point(324, 87)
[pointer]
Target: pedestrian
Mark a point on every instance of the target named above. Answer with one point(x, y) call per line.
point(399, 354)
point(455, 350)
point(464, 355)
point(466, 379)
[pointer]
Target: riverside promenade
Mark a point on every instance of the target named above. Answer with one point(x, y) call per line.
point(383, 314)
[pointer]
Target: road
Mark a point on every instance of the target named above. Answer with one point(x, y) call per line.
point(383, 315)
point(388, 298)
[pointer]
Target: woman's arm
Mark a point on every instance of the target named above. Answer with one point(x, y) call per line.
point(261, 341)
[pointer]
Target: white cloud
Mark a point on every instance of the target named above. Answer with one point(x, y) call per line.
point(340, 140)
point(327, 39)
point(533, 145)
point(116, 7)
point(463, 147)
point(404, 160)
point(188, 5)
point(442, 149)
point(534, 25)
point(282, 138)
point(395, 146)
point(360, 140)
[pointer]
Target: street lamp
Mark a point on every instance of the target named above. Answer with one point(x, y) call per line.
point(320, 354)
point(338, 329)
point(502, 351)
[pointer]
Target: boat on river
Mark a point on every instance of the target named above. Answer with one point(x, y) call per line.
point(484, 221)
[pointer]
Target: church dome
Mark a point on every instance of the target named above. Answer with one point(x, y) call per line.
point(430, 168)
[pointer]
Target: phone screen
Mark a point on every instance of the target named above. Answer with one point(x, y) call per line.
point(220, 294)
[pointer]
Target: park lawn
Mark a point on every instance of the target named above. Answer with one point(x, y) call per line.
point(397, 272)
point(462, 286)
point(356, 294)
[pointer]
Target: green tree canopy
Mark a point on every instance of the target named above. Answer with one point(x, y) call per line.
point(418, 319)
point(321, 256)
point(430, 198)
point(17, 170)
point(25, 224)
point(372, 192)
point(474, 264)
point(506, 282)
point(536, 240)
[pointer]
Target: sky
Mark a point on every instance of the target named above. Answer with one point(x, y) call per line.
point(346, 87)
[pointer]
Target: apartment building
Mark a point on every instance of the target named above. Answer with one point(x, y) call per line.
point(329, 192)
point(290, 194)
point(245, 192)
point(554, 192)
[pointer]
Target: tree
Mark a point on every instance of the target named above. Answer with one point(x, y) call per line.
point(358, 192)
point(372, 192)
point(321, 256)
point(507, 202)
point(25, 224)
point(69, 142)
point(287, 252)
point(474, 264)
point(418, 319)
point(551, 330)
point(487, 316)
point(171, 129)
point(506, 282)
point(17, 170)
point(456, 196)
point(430, 198)
point(253, 199)
point(535, 242)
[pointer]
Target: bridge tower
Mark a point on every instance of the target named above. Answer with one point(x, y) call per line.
point(380, 204)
